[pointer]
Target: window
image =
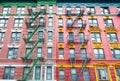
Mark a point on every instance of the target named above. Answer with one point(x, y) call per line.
point(71, 37)
point(42, 22)
point(49, 55)
point(26, 70)
point(59, 10)
point(37, 73)
point(108, 22)
point(61, 38)
point(3, 22)
point(112, 37)
point(6, 10)
point(12, 53)
point(9, 73)
point(27, 51)
point(99, 53)
point(102, 74)
point(61, 74)
point(20, 10)
point(69, 22)
point(40, 35)
point(73, 74)
point(68, 11)
point(116, 53)
point(60, 22)
point(50, 9)
point(83, 53)
point(2, 36)
point(80, 23)
point(39, 52)
point(77, 10)
point(61, 53)
point(72, 53)
point(91, 10)
point(82, 37)
point(15, 36)
point(93, 22)
point(18, 22)
point(86, 75)
point(49, 73)
point(118, 73)
point(96, 37)
point(105, 10)
point(49, 35)
point(50, 21)
point(29, 35)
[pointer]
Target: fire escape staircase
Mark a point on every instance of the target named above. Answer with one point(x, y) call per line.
point(73, 57)
point(27, 40)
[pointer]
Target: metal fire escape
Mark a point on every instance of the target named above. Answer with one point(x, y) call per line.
point(34, 42)
point(75, 39)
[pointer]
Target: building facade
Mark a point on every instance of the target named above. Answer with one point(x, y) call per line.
point(60, 40)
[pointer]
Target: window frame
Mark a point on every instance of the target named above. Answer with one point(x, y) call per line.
point(115, 55)
point(12, 53)
point(99, 55)
point(110, 37)
point(93, 22)
point(15, 36)
point(3, 22)
point(10, 74)
point(18, 22)
point(96, 37)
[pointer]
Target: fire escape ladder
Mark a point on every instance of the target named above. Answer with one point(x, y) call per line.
point(31, 68)
point(29, 53)
point(36, 28)
point(82, 68)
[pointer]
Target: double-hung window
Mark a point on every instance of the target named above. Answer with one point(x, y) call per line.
point(40, 35)
point(26, 70)
point(3, 22)
point(61, 53)
point(69, 22)
point(2, 34)
point(82, 37)
point(49, 35)
point(86, 75)
point(37, 73)
point(9, 73)
point(59, 10)
point(83, 53)
point(49, 73)
point(115, 53)
point(49, 55)
point(60, 22)
point(12, 53)
point(118, 73)
point(61, 36)
point(99, 53)
point(112, 37)
point(50, 21)
point(73, 74)
point(71, 37)
point(96, 37)
point(61, 74)
point(39, 52)
point(80, 23)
